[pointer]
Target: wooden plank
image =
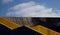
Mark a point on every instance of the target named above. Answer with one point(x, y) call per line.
point(43, 30)
point(8, 23)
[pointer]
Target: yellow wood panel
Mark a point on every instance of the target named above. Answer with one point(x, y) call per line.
point(51, 32)
point(43, 30)
point(8, 23)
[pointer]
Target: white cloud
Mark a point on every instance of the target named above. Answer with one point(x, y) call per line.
point(6, 1)
point(31, 9)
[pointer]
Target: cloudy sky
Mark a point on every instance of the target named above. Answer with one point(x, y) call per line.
point(30, 8)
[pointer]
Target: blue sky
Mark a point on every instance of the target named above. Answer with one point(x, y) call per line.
point(7, 8)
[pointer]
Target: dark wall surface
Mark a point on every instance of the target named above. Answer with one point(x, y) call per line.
point(19, 31)
point(50, 23)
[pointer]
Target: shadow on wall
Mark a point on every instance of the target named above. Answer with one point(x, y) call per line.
point(19, 31)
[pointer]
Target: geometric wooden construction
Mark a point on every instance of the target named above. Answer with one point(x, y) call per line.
point(38, 28)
